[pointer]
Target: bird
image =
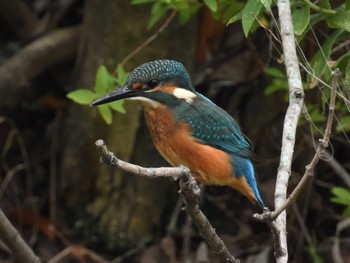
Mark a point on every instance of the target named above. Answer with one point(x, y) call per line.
point(189, 129)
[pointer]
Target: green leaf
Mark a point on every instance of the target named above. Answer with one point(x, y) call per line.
point(106, 113)
point(186, 14)
point(232, 10)
point(275, 72)
point(346, 212)
point(340, 20)
point(235, 18)
point(250, 13)
point(347, 73)
point(276, 85)
point(122, 76)
point(212, 4)
point(316, 116)
point(82, 96)
point(104, 80)
point(118, 106)
point(325, 4)
point(343, 124)
point(342, 195)
point(158, 10)
point(315, 256)
point(266, 4)
point(343, 63)
point(300, 17)
point(319, 61)
point(347, 4)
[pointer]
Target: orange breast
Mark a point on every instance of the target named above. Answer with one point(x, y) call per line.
point(176, 144)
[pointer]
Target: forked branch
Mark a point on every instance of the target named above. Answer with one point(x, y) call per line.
point(189, 189)
point(270, 217)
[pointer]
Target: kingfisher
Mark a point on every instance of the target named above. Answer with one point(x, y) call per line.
point(188, 129)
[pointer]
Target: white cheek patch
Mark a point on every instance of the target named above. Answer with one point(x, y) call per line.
point(152, 103)
point(184, 94)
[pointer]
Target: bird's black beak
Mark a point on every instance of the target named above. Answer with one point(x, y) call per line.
point(122, 93)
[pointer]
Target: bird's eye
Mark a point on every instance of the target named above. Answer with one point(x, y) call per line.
point(152, 83)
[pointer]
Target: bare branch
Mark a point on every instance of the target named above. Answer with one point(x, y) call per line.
point(33, 59)
point(319, 152)
point(296, 100)
point(151, 38)
point(191, 192)
point(296, 94)
point(20, 249)
point(272, 217)
point(189, 189)
point(108, 158)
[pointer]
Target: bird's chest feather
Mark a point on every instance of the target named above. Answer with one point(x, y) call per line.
point(175, 143)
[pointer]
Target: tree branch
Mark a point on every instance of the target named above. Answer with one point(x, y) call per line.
point(33, 59)
point(319, 152)
point(189, 189)
point(151, 38)
point(270, 217)
point(20, 250)
point(296, 100)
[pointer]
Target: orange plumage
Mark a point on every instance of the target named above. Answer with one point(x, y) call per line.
point(175, 141)
point(188, 129)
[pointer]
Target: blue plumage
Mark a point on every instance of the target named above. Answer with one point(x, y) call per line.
point(167, 83)
point(213, 126)
point(244, 167)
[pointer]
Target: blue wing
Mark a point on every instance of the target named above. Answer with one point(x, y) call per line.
point(214, 126)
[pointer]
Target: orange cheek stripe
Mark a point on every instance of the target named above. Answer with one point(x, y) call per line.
point(137, 86)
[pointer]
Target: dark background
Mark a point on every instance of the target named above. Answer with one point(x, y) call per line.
point(66, 204)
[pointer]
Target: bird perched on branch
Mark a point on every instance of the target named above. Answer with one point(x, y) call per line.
point(188, 129)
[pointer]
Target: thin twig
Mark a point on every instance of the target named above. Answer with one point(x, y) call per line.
point(189, 189)
point(319, 151)
point(191, 193)
point(151, 38)
point(20, 249)
point(330, 160)
point(270, 217)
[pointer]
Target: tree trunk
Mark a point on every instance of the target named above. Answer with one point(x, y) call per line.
point(119, 209)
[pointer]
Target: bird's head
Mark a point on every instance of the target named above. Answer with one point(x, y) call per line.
point(160, 81)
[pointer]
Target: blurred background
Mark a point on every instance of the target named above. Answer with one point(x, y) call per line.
point(71, 208)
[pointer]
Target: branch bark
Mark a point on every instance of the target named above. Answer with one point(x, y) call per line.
point(296, 100)
point(33, 59)
point(277, 219)
point(189, 189)
point(319, 151)
point(20, 250)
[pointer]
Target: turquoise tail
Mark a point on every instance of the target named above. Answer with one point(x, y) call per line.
point(244, 167)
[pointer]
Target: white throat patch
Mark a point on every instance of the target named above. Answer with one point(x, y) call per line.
point(152, 103)
point(185, 94)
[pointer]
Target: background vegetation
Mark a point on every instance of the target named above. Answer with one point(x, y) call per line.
point(70, 208)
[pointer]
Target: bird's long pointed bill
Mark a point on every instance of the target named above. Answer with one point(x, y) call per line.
point(122, 93)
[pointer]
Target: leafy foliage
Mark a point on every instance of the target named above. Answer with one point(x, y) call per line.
point(316, 258)
point(104, 83)
point(253, 13)
point(279, 80)
point(342, 197)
